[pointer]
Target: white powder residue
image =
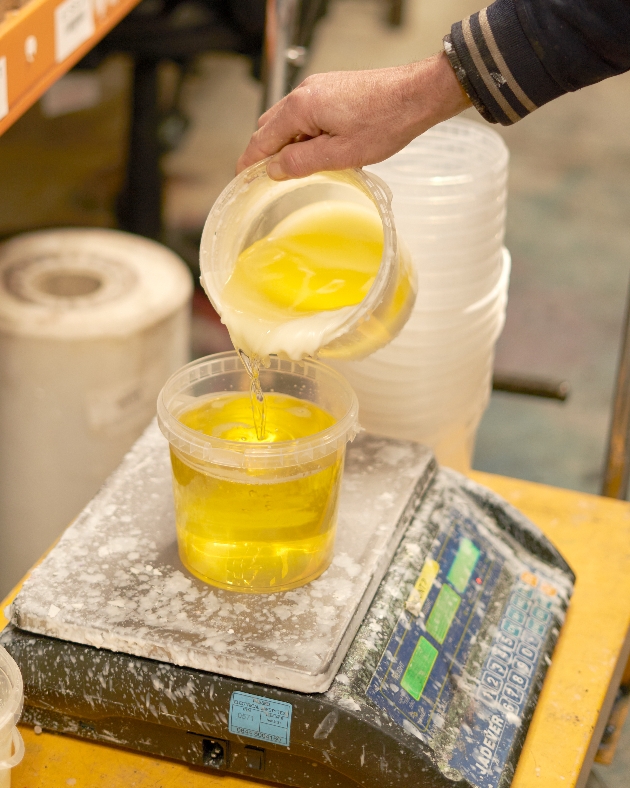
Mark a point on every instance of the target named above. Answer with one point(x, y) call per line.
point(117, 577)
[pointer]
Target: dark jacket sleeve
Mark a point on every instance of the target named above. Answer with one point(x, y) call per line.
point(516, 55)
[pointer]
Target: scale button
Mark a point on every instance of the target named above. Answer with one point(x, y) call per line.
point(510, 627)
point(516, 615)
point(524, 667)
point(490, 680)
point(531, 639)
point(501, 653)
point(527, 652)
point(508, 705)
point(516, 678)
point(521, 603)
point(498, 667)
point(540, 614)
point(513, 693)
point(506, 640)
point(490, 696)
point(526, 591)
point(536, 626)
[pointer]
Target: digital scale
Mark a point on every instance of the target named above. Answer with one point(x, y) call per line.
point(415, 660)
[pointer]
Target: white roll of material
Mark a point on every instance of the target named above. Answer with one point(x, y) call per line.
point(92, 323)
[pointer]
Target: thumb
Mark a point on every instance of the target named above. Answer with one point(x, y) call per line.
point(300, 159)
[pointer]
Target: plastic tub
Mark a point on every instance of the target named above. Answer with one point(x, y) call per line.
point(250, 207)
point(442, 357)
point(11, 701)
point(484, 212)
point(422, 397)
point(420, 365)
point(284, 494)
point(494, 192)
point(457, 155)
point(460, 257)
point(460, 296)
point(433, 323)
point(418, 392)
point(454, 233)
point(442, 273)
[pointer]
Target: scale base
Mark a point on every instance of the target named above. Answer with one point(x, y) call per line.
point(393, 716)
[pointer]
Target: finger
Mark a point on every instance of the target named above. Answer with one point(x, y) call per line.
point(273, 110)
point(291, 121)
point(306, 158)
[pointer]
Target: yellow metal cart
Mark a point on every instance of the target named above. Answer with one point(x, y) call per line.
point(593, 534)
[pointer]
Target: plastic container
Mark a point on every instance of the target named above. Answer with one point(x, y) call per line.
point(285, 493)
point(457, 156)
point(11, 701)
point(252, 205)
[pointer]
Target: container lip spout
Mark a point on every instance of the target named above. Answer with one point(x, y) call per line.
point(237, 454)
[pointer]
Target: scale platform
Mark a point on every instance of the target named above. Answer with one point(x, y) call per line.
point(415, 659)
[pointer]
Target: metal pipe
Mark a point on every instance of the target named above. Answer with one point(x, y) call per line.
point(617, 467)
point(532, 386)
point(280, 24)
point(140, 202)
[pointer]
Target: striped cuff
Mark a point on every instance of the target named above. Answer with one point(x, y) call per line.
point(497, 66)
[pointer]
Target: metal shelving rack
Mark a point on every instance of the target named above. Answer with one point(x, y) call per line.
point(42, 40)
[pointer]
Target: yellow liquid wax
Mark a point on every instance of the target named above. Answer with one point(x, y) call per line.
point(317, 262)
point(257, 530)
point(322, 257)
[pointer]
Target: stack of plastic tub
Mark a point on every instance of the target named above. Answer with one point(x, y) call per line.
point(432, 382)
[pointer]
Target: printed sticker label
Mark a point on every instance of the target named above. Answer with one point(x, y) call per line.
point(74, 24)
point(260, 718)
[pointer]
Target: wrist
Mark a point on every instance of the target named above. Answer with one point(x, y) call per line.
point(437, 93)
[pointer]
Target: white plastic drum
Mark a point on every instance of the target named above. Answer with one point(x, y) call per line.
point(11, 701)
point(92, 323)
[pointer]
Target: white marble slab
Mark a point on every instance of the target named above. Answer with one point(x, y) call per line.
point(115, 580)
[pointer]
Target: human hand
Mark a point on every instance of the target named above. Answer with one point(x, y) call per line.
point(352, 118)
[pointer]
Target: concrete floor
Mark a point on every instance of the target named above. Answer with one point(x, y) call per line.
point(568, 227)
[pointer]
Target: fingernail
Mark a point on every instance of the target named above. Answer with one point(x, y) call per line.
point(275, 171)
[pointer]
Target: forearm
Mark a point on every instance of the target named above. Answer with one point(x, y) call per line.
point(517, 55)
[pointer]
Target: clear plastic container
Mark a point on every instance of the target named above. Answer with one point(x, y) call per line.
point(458, 156)
point(252, 205)
point(11, 701)
point(256, 517)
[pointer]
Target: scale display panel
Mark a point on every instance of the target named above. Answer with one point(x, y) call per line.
point(431, 679)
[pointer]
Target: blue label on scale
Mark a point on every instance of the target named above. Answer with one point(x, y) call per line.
point(419, 674)
point(260, 718)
